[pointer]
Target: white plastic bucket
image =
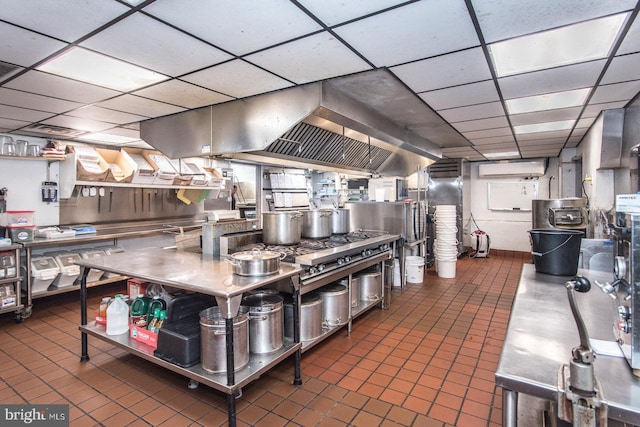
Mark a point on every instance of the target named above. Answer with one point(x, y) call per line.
point(415, 269)
point(380, 192)
point(447, 268)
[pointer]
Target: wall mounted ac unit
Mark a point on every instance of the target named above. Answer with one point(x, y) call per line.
point(507, 169)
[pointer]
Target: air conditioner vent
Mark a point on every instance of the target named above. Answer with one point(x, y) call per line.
point(54, 130)
point(445, 168)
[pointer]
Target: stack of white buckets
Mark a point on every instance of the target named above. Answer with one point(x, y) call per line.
point(445, 246)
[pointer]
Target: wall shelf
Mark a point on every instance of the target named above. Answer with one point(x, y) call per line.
point(38, 158)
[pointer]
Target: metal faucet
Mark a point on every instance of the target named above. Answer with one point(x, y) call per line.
point(580, 399)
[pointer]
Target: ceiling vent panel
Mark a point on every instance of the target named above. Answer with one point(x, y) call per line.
point(445, 168)
point(54, 130)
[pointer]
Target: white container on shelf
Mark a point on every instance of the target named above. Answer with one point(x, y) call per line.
point(117, 317)
point(44, 270)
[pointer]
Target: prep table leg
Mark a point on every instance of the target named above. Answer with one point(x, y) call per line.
point(231, 379)
point(509, 408)
point(83, 314)
point(297, 379)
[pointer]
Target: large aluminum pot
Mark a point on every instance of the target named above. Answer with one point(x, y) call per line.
point(316, 224)
point(281, 228)
point(335, 305)
point(256, 262)
point(213, 353)
point(266, 323)
point(340, 221)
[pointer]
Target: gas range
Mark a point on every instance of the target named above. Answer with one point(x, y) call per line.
point(320, 257)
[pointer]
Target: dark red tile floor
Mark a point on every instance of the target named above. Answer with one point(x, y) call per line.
point(429, 360)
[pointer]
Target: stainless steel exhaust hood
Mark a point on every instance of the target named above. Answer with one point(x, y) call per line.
point(314, 125)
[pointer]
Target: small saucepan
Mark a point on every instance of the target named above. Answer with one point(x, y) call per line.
point(256, 262)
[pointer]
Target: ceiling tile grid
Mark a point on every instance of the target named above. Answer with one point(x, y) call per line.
point(446, 52)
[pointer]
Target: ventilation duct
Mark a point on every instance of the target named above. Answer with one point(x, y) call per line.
point(314, 125)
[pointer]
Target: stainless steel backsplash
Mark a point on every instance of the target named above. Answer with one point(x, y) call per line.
point(126, 204)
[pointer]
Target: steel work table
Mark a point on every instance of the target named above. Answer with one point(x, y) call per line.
point(207, 275)
point(539, 339)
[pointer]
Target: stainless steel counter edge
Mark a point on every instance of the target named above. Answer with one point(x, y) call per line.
point(186, 270)
point(542, 332)
point(115, 233)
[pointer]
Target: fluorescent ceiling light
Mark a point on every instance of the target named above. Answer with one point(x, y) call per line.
point(108, 138)
point(567, 45)
point(544, 127)
point(503, 154)
point(90, 67)
point(549, 101)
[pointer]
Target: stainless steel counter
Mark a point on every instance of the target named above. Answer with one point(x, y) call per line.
point(207, 275)
point(541, 334)
point(186, 270)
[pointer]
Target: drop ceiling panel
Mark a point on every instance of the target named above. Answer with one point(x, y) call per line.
point(622, 69)
point(473, 112)
point(459, 96)
point(551, 152)
point(184, 94)
point(64, 19)
point(36, 102)
point(574, 141)
point(585, 122)
point(17, 113)
point(542, 135)
point(7, 125)
point(546, 116)
point(105, 115)
point(631, 42)
point(123, 131)
point(556, 142)
point(615, 92)
point(25, 48)
point(593, 110)
point(554, 80)
point(444, 71)
point(60, 87)
point(237, 78)
point(502, 146)
point(239, 27)
point(161, 49)
point(491, 123)
point(141, 106)
point(479, 142)
point(317, 57)
point(423, 29)
point(500, 20)
point(333, 12)
point(488, 133)
point(87, 125)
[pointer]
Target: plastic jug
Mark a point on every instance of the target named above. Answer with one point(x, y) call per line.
point(117, 317)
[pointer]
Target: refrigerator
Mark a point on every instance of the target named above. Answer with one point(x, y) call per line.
point(407, 219)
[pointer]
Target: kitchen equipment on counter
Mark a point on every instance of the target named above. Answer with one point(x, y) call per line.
point(281, 228)
point(340, 221)
point(556, 251)
point(568, 214)
point(266, 322)
point(213, 356)
point(335, 305)
point(54, 233)
point(256, 262)
point(316, 224)
point(625, 286)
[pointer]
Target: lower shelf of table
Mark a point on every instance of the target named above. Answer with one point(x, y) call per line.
point(258, 363)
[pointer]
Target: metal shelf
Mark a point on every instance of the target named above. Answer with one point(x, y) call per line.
point(258, 364)
point(70, 288)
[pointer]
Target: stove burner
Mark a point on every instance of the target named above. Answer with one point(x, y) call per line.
point(308, 246)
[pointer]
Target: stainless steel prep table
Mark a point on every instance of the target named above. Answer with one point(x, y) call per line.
point(540, 336)
point(103, 234)
point(207, 275)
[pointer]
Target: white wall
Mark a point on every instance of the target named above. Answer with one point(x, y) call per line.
point(508, 230)
point(23, 179)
